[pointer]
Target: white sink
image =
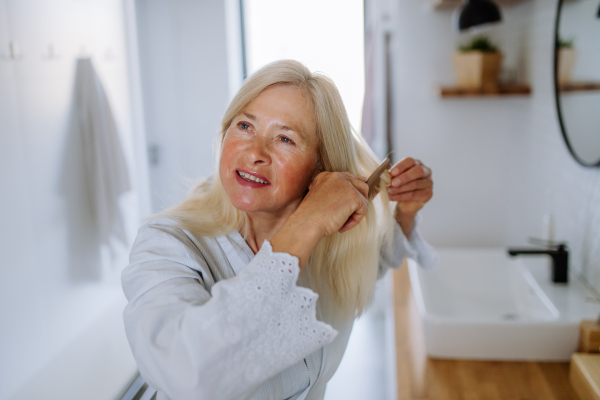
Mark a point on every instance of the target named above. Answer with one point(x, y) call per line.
point(484, 304)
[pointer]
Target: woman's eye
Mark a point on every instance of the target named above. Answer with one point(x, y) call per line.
point(244, 126)
point(287, 139)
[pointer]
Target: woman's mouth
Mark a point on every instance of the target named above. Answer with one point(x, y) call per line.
point(248, 180)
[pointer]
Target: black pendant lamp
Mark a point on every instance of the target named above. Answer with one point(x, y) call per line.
point(476, 13)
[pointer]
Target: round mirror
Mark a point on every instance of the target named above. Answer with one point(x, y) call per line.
point(577, 77)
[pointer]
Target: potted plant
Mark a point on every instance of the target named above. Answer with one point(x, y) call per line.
point(567, 54)
point(477, 64)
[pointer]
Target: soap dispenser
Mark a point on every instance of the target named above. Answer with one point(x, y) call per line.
point(548, 232)
point(548, 228)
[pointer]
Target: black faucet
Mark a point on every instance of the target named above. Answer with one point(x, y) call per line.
point(560, 260)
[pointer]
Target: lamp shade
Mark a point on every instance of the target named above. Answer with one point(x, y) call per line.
point(478, 12)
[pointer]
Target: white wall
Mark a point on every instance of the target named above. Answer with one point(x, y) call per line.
point(183, 53)
point(465, 141)
point(549, 177)
point(499, 164)
point(55, 281)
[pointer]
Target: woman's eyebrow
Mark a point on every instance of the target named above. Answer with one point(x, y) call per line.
point(285, 127)
point(250, 116)
point(296, 131)
point(279, 125)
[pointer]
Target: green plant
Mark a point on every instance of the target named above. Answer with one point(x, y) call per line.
point(565, 43)
point(481, 43)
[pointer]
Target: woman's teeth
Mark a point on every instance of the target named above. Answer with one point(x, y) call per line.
point(252, 178)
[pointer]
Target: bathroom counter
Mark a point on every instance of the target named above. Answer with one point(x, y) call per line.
point(585, 375)
point(435, 379)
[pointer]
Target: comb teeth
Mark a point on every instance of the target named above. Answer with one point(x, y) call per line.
point(374, 190)
point(375, 178)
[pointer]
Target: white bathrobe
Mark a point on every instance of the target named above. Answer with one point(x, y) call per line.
point(208, 319)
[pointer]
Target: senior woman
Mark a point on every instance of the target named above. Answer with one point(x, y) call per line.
point(223, 287)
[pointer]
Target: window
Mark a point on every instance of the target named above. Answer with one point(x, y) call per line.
point(325, 35)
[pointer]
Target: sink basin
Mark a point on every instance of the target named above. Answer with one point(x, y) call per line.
point(484, 304)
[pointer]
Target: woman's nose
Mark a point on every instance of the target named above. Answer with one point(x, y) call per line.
point(259, 151)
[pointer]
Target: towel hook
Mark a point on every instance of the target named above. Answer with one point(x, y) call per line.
point(83, 53)
point(51, 55)
point(13, 51)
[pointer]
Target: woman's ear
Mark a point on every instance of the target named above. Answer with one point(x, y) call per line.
point(318, 169)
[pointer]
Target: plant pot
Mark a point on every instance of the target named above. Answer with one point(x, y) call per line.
point(477, 69)
point(566, 62)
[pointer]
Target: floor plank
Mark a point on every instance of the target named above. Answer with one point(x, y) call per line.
point(420, 377)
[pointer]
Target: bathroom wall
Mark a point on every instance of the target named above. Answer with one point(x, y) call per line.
point(466, 141)
point(56, 282)
point(499, 164)
point(184, 49)
point(550, 179)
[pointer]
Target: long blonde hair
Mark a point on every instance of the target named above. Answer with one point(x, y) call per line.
point(343, 266)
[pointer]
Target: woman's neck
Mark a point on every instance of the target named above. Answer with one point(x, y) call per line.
point(263, 225)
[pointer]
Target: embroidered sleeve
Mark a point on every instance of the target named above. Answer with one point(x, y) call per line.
point(190, 344)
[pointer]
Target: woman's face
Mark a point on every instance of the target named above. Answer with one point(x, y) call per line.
point(273, 139)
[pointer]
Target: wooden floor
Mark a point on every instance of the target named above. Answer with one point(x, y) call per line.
point(422, 378)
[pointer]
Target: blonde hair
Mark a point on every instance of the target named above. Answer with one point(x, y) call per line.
point(343, 267)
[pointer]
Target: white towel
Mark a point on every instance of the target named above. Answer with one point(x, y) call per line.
point(106, 170)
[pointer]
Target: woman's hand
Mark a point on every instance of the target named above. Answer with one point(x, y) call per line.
point(335, 202)
point(411, 187)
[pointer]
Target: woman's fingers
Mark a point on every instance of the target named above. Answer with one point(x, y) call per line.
point(402, 166)
point(355, 218)
point(351, 223)
point(359, 177)
point(422, 195)
point(359, 182)
point(408, 170)
point(411, 185)
point(336, 201)
point(416, 172)
point(417, 184)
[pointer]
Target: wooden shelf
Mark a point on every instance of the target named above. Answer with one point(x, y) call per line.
point(502, 90)
point(452, 4)
point(579, 86)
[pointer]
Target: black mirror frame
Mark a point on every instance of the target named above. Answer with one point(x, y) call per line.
point(557, 95)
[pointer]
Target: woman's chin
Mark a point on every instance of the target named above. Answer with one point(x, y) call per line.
point(248, 206)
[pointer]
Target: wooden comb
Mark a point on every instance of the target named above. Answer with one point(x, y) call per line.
point(375, 178)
